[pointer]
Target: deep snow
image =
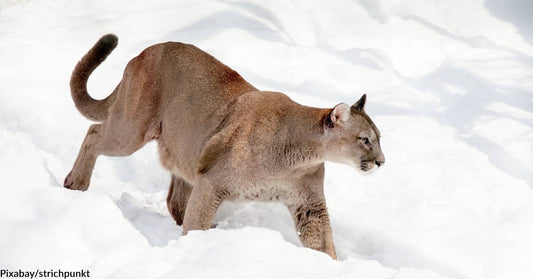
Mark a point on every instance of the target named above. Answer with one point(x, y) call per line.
point(449, 84)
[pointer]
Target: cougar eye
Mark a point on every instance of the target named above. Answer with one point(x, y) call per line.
point(365, 140)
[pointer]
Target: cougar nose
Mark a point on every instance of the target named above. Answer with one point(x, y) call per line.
point(379, 163)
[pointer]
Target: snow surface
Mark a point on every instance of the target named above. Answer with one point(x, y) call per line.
point(449, 84)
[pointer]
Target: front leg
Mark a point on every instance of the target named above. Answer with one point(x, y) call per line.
point(312, 225)
point(201, 208)
point(310, 212)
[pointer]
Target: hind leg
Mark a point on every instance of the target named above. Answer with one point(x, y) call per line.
point(100, 140)
point(80, 175)
point(178, 196)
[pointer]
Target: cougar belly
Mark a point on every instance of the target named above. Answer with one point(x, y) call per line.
point(263, 190)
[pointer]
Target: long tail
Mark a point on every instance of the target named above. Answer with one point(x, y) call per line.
point(96, 110)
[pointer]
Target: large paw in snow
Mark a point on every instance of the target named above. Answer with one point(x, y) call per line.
point(75, 184)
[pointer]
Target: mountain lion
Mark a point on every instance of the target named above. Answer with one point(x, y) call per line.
point(220, 137)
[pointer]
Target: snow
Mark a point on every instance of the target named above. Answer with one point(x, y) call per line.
point(449, 84)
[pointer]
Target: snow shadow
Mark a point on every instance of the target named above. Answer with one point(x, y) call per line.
point(214, 24)
point(516, 12)
point(273, 216)
point(475, 42)
point(147, 216)
point(262, 13)
point(359, 243)
point(463, 110)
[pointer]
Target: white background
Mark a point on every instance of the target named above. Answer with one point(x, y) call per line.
point(449, 84)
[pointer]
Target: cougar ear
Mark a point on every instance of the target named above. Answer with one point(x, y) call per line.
point(360, 105)
point(338, 114)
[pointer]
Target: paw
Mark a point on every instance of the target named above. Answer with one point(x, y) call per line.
point(71, 183)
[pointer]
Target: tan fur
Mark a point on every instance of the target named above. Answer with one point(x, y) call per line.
point(220, 137)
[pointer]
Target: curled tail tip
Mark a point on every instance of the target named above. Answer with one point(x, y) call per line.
point(109, 39)
point(106, 43)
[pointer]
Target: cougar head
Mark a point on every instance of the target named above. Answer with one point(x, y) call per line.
point(352, 138)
